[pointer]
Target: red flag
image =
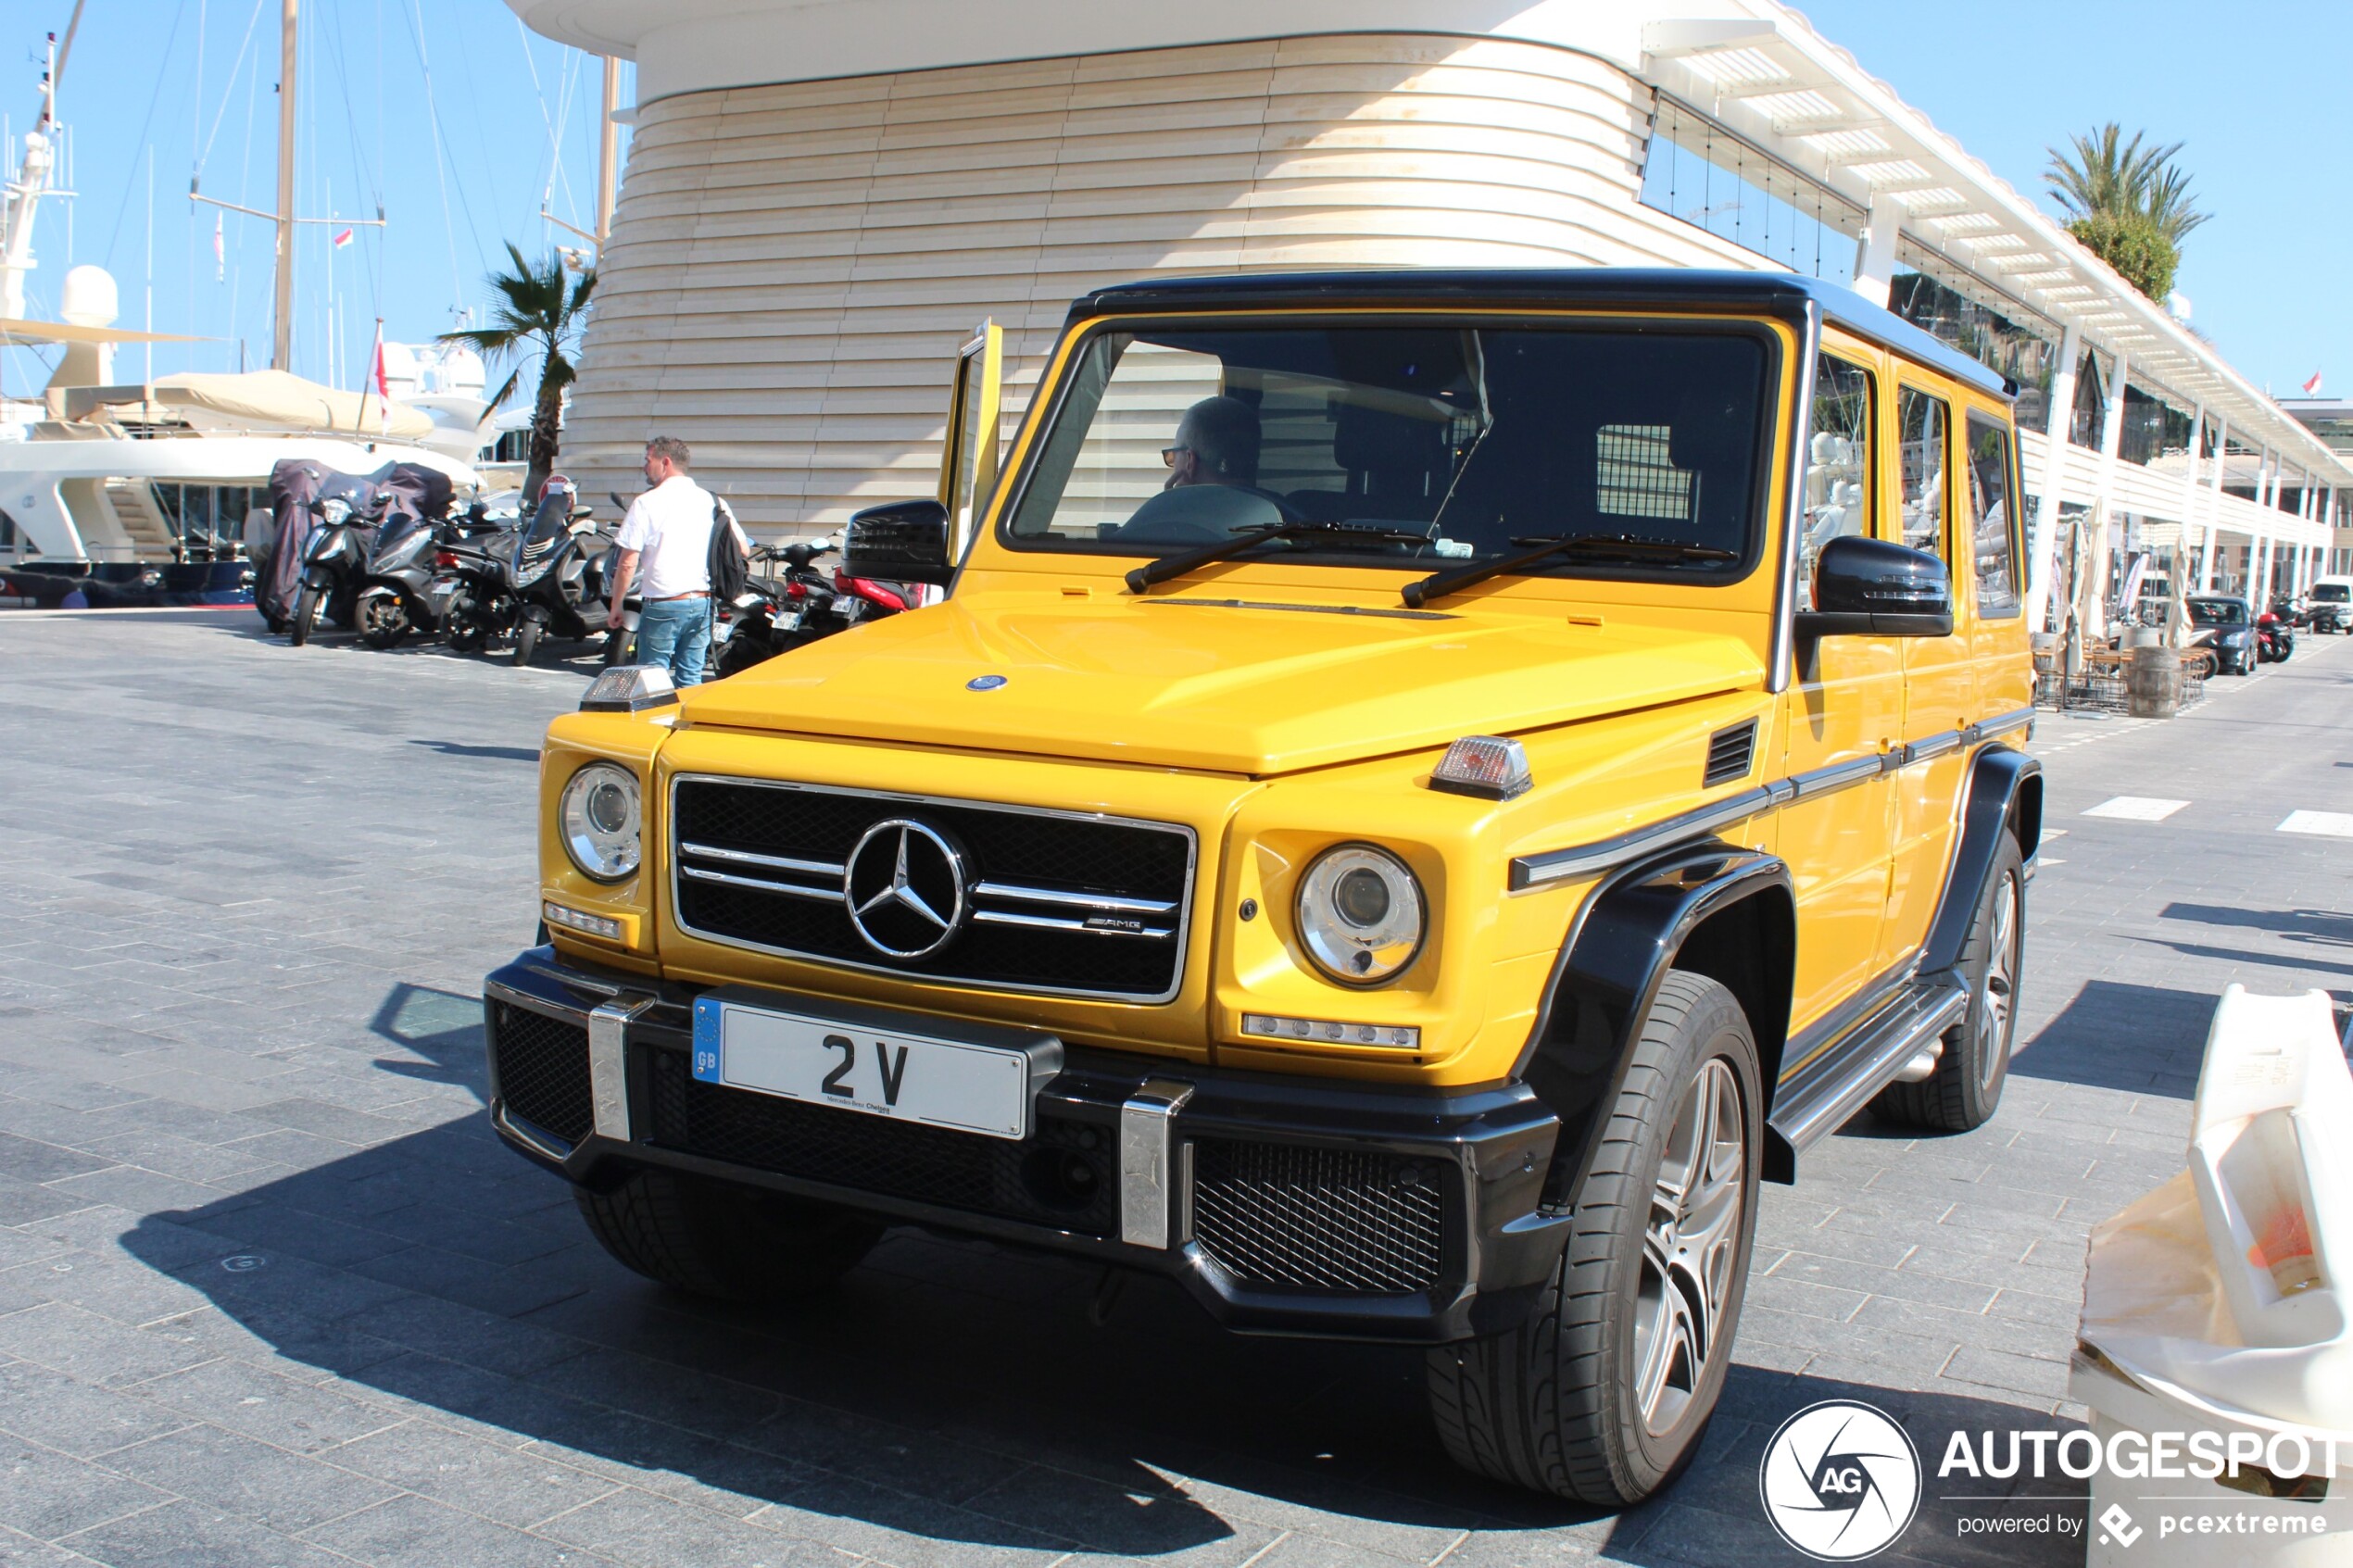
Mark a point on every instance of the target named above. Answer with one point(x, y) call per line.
point(2312, 387)
point(343, 239)
point(376, 380)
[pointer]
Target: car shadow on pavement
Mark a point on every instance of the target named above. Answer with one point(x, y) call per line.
point(2321, 927)
point(2113, 1035)
point(949, 1389)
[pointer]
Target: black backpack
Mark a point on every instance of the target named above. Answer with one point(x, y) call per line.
point(729, 574)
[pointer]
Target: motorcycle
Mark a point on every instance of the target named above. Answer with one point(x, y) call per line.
point(472, 569)
point(775, 614)
point(334, 564)
point(560, 568)
point(402, 591)
point(300, 494)
point(2275, 635)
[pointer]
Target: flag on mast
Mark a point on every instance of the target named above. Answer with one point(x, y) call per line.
point(376, 381)
point(343, 239)
point(2312, 387)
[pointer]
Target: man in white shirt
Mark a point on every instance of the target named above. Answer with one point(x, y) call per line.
point(667, 530)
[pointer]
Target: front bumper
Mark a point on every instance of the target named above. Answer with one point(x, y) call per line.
point(1284, 1205)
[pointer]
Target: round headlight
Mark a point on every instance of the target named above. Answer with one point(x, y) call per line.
point(334, 508)
point(600, 820)
point(1361, 914)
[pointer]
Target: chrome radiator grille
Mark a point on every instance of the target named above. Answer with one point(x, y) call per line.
point(1003, 896)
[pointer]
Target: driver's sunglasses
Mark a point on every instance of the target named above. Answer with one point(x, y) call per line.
point(1168, 455)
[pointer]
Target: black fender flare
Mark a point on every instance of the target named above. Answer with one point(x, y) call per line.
point(2003, 789)
point(1624, 939)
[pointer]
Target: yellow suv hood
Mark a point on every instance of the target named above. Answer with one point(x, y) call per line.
point(1210, 684)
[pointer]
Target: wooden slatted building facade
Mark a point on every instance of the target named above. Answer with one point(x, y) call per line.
point(792, 266)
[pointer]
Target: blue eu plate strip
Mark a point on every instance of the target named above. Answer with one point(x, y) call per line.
point(708, 1038)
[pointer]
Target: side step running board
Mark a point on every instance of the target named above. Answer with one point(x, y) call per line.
point(1868, 1060)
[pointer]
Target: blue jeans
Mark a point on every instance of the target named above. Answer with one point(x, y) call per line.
point(676, 634)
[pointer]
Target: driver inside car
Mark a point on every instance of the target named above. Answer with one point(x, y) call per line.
point(1216, 443)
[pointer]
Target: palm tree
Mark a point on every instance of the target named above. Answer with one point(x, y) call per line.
point(2130, 204)
point(537, 310)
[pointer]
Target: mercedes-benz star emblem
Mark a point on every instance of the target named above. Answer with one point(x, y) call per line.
point(904, 888)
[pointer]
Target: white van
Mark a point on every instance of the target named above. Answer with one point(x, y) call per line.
point(2331, 603)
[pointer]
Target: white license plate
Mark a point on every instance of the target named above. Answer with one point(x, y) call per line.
point(877, 1072)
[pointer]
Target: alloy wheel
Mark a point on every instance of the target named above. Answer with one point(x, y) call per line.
point(2001, 985)
point(1691, 1248)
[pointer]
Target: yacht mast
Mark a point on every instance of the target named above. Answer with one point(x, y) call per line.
point(20, 199)
point(282, 327)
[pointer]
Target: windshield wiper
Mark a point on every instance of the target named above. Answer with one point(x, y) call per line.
point(1167, 566)
point(1439, 583)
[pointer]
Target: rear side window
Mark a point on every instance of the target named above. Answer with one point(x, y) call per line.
point(1838, 465)
point(1991, 509)
point(1922, 422)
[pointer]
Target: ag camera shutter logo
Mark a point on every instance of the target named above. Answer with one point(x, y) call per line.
point(1840, 1481)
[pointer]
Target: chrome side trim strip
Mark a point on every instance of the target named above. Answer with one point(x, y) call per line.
point(1936, 744)
point(607, 1063)
point(1075, 900)
point(523, 1132)
point(1063, 922)
point(823, 895)
point(1838, 775)
point(2020, 719)
point(1534, 871)
point(1147, 1184)
point(745, 858)
point(1555, 865)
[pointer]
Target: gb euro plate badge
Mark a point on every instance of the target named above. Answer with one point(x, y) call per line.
point(871, 1062)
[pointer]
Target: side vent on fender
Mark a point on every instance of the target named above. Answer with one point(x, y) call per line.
point(1730, 754)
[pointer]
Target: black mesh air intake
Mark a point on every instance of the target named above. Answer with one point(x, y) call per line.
point(1060, 1175)
point(1326, 1219)
point(542, 1068)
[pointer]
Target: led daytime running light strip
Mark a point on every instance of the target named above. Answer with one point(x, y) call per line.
point(582, 921)
point(1330, 1032)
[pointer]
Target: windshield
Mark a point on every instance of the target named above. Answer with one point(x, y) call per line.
point(2332, 593)
point(2217, 612)
point(1437, 446)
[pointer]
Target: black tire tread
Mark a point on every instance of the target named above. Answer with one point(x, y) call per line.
point(1534, 1407)
point(1942, 1102)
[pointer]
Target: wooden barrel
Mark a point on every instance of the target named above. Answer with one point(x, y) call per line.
point(2153, 685)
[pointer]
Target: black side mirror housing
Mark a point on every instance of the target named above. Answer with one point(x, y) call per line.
point(1874, 587)
point(902, 542)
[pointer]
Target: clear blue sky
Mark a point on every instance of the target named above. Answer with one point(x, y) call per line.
point(196, 79)
point(2255, 90)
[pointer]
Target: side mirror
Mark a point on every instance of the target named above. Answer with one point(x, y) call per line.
point(1871, 587)
point(903, 542)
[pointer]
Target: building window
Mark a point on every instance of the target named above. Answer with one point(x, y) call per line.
point(2090, 400)
point(1956, 308)
point(1692, 170)
point(2152, 427)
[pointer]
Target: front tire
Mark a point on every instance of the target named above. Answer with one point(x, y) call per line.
point(526, 641)
point(306, 614)
point(729, 1243)
point(1965, 1088)
point(1604, 1394)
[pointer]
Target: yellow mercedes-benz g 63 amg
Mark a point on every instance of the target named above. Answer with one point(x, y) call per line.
point(1426, 788)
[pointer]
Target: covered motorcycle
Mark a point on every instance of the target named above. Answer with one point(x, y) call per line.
point(301, 493)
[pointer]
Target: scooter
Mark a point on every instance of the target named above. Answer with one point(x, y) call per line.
point(2275, 636)
point(472, 569)
point(404, 591)
point(559, 566)
point(775, 614)
point(334, 563)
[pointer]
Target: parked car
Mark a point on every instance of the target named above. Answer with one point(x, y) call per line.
point(2222, 624)
point(1403, 851)
point(2330, 607)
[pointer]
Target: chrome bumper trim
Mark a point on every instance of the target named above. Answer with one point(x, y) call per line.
point(1147, 1173)
point(609, 1063)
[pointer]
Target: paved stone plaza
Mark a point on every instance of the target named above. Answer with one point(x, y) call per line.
point(271, 1294)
